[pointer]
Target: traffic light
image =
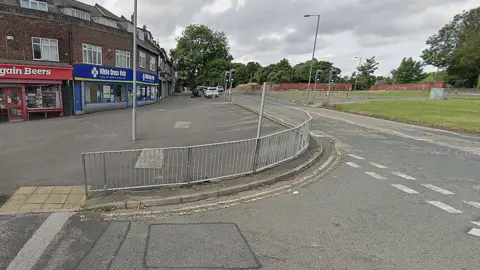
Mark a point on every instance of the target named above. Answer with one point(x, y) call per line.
point(318, 75)
point(227, 74)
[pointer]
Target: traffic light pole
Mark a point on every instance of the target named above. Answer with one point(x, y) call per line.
point(226, 83)
point(329, 86)
point(315, 85)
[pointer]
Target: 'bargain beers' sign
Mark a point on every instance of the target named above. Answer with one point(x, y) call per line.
point(30, 72)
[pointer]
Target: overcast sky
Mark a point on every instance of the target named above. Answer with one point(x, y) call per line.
point(268, 30)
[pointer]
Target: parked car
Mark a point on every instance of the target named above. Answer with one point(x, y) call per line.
point(195, 93)
point(220, 88)
point(211, 92)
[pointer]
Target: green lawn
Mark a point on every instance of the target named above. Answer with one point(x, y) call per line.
point(392, 93)
point(458, 114)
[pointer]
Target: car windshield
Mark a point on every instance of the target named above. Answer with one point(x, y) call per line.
point(212, 88)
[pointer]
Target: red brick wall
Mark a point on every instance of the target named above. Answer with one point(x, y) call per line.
point(408, 86)
point(304, 86)
point(71, 33)
point(23, 29)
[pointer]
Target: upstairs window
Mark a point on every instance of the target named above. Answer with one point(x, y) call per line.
point(106, 22)
point(92, 54)
point(45, 49)
point(77, 13)
point(38, 5)
point(123, 59)
point(141, 35)
point(152, 63)
point(142, 59)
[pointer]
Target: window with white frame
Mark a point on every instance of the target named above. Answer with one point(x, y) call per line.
point(123, 59)
point(152, 63)
point(130, 27)
point(45, 49)
point(92, 54)
point(142, 59)
point(77, 13)
point(38, 5)
point(141, 35)
point(105, 21)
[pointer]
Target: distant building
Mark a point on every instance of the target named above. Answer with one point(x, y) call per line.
point(65, 57)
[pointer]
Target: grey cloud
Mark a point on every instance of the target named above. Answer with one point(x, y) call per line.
point(347, 27)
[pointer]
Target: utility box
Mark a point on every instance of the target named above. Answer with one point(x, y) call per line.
point(437, 93)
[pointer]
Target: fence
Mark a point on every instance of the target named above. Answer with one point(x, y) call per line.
point(160, 167)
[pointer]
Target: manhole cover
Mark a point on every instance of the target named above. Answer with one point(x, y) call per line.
point(206, 245)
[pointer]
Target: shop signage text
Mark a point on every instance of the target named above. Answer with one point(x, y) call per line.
point(10, 71)
point(99, 73)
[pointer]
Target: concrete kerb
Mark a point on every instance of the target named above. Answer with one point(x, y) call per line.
point(201, 196)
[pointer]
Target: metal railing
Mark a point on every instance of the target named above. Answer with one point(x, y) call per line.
point(174, 166)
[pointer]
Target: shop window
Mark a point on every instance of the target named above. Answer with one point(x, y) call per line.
point(142, 59)
point(45, 49)
point(42, 96)
point(2, 99)
point(92, 54)
point(100, 93)
point(123, 59)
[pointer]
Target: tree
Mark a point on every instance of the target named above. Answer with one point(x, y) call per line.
point(302, 70)
point(365, 73)
point(252, 68)
point(456, 48)
point(241, 74)
point(198, 49)
point(408, 71)
point(440, 76)
point(214, 72)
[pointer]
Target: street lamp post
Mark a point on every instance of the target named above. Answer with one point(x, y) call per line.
point(134, 90)
point(356, 77)
point(314, 48)
point(317, 78)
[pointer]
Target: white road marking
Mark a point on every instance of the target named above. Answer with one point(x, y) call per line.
point(474, 232)
point(405, 189)
point(477, 223)
point(472, 203)
point(150, 159)
point(411, 137)
point(405, 176)
point(380, 166)
point(36, 245)
point(356, 157)
point(182, 124)
point(438, 189)
point(354, 165)
point(374, 175)
point(444, 207)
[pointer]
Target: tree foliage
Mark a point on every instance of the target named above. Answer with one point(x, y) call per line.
point(409, 71)
point(366, 79)
point(201, 54)
point(456, 48)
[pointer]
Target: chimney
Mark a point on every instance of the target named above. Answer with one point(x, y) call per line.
point(144, 27)
point(132, 18)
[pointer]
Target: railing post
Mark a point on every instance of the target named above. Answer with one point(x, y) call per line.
point(104, 172)
point(85, 176)
point(255, 157)
point(189, 162)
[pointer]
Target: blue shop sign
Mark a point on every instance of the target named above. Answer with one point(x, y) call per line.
point(111, 74)
point(144, 77)
point(101, 73)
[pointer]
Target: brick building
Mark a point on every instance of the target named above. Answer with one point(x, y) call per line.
point(81, 56)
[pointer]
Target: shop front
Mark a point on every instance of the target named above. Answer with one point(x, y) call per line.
point(99, 88)
point(31, 91)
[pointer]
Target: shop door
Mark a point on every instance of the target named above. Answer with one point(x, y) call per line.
point(14, 104)
point(130, 96)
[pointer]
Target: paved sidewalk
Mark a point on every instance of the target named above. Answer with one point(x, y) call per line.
point(48, 152)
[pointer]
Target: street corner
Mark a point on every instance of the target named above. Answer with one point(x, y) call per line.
point(40, 199)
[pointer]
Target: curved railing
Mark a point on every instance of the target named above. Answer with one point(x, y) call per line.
point(174, 166)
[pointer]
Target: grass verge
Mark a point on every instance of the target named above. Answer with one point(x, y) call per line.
point(459, 114)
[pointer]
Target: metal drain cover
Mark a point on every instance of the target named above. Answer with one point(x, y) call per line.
point(205, 245)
